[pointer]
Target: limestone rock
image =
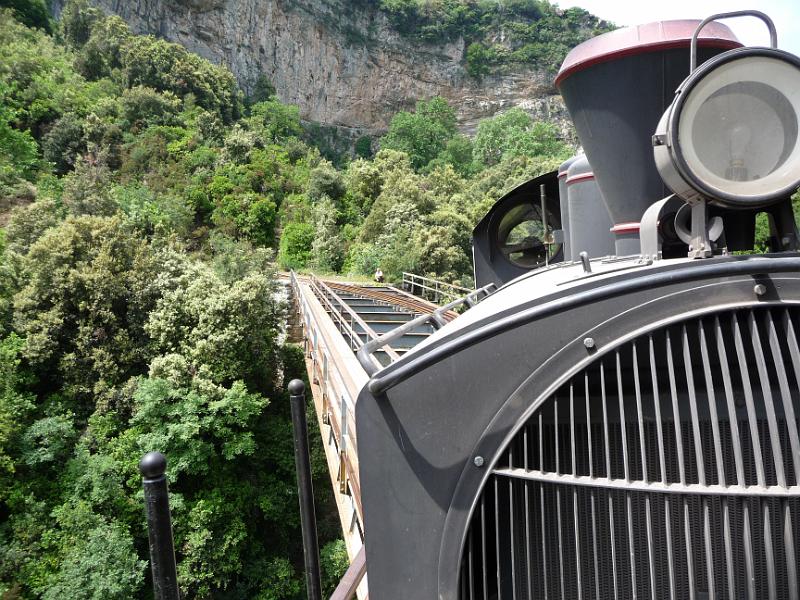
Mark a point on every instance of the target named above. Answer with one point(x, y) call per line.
point(340, 61)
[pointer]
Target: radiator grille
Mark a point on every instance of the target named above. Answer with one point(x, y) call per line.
point(666, 469)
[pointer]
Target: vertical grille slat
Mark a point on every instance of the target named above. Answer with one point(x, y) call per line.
point(728, 549)
point(542, 531)
point(712, 404)
point(733, 419)
point(788, 541)
point(769, 403)
point(497, 536)
point(484, 570)
point(676, 415)
point(747, 391)
point(769, 555)
point(512, 528)
point(783, 383)
point(666, 469)
point(709, 551)
point(526, 492)
point(670, 554)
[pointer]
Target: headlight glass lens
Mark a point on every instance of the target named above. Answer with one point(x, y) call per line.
point(738, 128)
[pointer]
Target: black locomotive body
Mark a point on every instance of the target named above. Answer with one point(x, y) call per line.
point(621, 425)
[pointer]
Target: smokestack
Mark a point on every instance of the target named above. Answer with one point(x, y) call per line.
point(616, 87)
point(589, 223)
point(564, 203)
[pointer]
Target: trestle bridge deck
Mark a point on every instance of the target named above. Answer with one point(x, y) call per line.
point(337, 320)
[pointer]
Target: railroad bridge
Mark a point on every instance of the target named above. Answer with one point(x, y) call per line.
point(381, 323)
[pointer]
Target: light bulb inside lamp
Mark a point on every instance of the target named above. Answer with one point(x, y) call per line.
point(739, 139)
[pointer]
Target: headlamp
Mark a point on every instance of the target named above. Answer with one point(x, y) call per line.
point(731, 136)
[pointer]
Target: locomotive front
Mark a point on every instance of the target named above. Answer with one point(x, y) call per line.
point(618, 426)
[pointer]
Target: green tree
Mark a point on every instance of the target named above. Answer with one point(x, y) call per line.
point(327, 252)
point(64, 143)
point(83, 305)
point(458, 153)
point(478, 59)
point(423, 134)
point(263, 90)
point(103, 565)
point(227, 329)
point(443, 246)
point(333, 561)
point(513, 133)
point(167, 67)
point(16, 404)
point(295, 246)
point(273, 121)
point(18, 151)
point(142, 107)
point(77, 21)
point(32, 13)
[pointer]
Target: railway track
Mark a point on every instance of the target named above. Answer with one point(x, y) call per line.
point(394, 297)
point(363, 313)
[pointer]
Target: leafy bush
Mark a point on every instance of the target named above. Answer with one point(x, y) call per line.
point(363, 147)
point(333, 562)
point(295, 246)
point(513, 133)
point(63, 144)
point(32, 13)
point(423, 134)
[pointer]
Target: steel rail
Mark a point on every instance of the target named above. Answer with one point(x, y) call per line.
point(324, 293)
point(398, 300)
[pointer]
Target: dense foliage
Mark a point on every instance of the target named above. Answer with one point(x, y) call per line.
point(413, 206)
point(138, 311)
point(146, 201)
point(497, 33)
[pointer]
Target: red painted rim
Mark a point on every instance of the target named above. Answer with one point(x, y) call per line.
point(625, 228)
point(580, 177)
point(652, 37)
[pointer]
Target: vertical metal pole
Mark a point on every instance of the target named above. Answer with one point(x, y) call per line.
point(308, 519)
point(153, 467)
point(546, 240)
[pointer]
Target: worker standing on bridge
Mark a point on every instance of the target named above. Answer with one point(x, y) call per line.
point(379, 275)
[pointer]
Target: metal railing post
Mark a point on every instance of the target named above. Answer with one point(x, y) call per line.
point(153, 467)
point(308, 518)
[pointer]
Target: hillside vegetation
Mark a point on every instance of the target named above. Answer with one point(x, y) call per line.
point(499, 34)
point(146, 202)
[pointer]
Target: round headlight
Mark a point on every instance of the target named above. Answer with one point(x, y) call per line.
point(731, 134)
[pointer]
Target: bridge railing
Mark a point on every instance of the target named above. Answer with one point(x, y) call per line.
point(432, 289)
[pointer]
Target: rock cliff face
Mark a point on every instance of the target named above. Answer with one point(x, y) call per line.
point(341, 62)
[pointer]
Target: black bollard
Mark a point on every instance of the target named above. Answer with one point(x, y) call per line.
point(308, 519)
point(153, 467)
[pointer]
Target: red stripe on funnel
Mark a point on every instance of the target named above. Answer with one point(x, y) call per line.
point(581, 177)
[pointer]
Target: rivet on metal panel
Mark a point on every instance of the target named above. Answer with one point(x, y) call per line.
point(760, 289)
point(588, 342)
point(478, 461)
